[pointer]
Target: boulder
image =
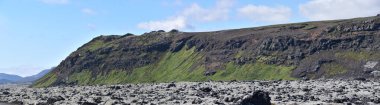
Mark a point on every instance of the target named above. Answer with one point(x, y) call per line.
point(360, 79)
point(209, 72)
point(206, 89)
point(115, 87)
point(6, 93)
point(54, 99)
point(257, 98)
point(171, 85)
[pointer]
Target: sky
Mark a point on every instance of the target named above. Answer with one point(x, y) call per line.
point(39, 34)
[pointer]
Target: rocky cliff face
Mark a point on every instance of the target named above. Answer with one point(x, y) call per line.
point(326, 49)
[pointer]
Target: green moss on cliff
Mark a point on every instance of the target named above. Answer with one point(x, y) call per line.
point(174, 66)
point(184, 65)
point(97, 44)
point(354, 55)
point(92, 46)
point(239, 54)
point(256, 71)
point(113, 77)
point(82, 78)
point(177, 66)
point(46, 81)
point(332, 69)
point(309, 27)
point(263, 59)
point(358, 55)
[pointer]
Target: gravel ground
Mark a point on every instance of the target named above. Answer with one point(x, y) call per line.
point(312, 92)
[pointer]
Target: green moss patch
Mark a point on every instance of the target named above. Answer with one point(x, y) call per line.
point(97, 44)
point(263, 59)
point(354, 55)
point(309, 27)
point(178, 66)
point(332, 69)
point(256, 71)
point(82, 78)
point(92, 46)
point(239, 54)
point(358, 55)
point(46, 81)
point(113, 77)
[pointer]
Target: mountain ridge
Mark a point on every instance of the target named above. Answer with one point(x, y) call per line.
point(32, 78)
point(308, 50)
point(15, 79)
point(5, 78)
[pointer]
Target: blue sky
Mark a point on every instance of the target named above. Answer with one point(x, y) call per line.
point(39, 34)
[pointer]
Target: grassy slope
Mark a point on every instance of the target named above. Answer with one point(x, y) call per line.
point(184, 65)
point(332, 69)
point(45, 81)
point(256, 71)
point(359, 55)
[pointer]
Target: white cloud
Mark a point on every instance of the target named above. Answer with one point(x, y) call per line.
point(88, 11)
point(219, 12)
point(339, 9)
point(260, 13)
point(194, 13)
point(55, 1)
point(169, 24)
point(91, 26)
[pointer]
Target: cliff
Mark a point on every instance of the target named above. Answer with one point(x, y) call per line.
point(324, 49)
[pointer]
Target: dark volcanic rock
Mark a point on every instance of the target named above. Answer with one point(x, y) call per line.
point(115, 87)
point(171, 85)
point(257, 98)
point(87, 103)
point(206, 89)
point(360, 79)
point(6, 93)
point(52, 100)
